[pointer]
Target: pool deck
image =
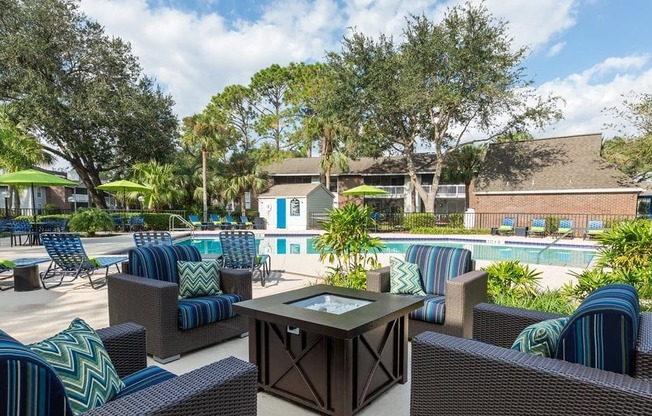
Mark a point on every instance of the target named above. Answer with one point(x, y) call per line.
point(32, 316)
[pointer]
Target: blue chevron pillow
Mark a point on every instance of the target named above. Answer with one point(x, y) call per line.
point(78, 356)
point(404, 277)
point(541, 338)
point(198, 278)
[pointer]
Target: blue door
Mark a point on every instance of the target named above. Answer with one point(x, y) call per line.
point(280, 213)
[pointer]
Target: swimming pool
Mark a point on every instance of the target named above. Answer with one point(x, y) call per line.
point(562, 254)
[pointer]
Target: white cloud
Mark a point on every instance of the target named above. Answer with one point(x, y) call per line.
point(555, 49)
point(588, 93)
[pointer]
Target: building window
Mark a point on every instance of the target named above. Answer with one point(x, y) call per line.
point(247, 200)
point(38, 192)
point(295, 209)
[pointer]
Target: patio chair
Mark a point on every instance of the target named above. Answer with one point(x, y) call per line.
point(31, 386)
point(449, 286)
point(594, 228)
point(136, 223)
point(152, 238)
point(195, 221)
point(538, 227)
point(564, 228)
point(230, 221)
point(118, 224)
point(69, 260)
point(19, 229)
point(507, 227)
point(497, 380)
point(245, 223)
point(239, 252)
point(215, 219)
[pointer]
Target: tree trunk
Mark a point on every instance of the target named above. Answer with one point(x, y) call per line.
point(203, 183)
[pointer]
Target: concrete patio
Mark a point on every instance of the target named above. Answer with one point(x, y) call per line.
point(32, 316)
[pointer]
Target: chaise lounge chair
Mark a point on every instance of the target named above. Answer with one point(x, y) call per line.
point(564, 229)
point(239, 252)
point(195, 221)
point(70, 260)
point(152, 238)
point(538, 227)
point(507, 227)
point(594, 228)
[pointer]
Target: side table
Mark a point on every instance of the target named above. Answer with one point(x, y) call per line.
point(26, 278)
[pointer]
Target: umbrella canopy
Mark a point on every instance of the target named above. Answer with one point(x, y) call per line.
point(124, 186)
point(33, 177)
point(365, 190)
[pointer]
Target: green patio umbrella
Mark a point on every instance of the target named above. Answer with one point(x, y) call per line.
point(33, 177)
point(365, 190)
point(124, 186)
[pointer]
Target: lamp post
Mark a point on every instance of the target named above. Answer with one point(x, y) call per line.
point(6, 194)
point(73, 200)
point(141, 199)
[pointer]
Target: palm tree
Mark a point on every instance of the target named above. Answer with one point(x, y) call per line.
point(241, 174)
point(209, 132)
point(162, 181)
point(18, 149)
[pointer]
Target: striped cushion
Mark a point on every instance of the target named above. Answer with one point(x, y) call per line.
point(160, 262)
point(438, 264)
point(540, 338)
point(198, 278)
point(81, 361)
point(194, 312)
point(142, 379)
point(404, 277)
point(602, 332)
point(433, 310)
point(29, 385)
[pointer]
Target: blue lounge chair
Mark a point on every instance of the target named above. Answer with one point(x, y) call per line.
point(152, 238)
point(565, 227)
point(215, 219)
point(230, 221)
point(19, 229)
point(594, 228)
point(195, 221)
point(136, 223)
point(244, 222)
point(68, 259)
point(538, 227)
point(507, 226)
point(239, 252)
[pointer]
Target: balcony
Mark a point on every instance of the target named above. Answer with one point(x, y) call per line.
point(444, 191)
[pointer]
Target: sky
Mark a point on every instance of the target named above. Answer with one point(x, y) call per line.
point(591, 53)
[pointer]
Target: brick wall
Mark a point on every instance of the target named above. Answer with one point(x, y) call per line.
point(344, 183)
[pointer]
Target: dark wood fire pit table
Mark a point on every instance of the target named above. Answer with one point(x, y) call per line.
point(334, 361)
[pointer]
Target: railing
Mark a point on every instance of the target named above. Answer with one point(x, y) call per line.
point(443, 191)
point(566, 234)
point(176, 217)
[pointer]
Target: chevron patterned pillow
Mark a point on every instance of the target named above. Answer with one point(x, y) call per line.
point(404, 277)
point(198, 278)
point(78, 356)
point(540, 338)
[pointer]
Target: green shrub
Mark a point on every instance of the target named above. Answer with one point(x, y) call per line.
point(419, 219)
point(554, 301)
point(448, 231)
point(456, 220)
point(157, 221)
point(552, 225)
point(510, 277)
point(50, 209)
point(90, 221)
point(347, 243)
point(625, 256)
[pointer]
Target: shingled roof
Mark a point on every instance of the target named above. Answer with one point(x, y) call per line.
point(560, 163)
point(293, 190)
point(393, 165)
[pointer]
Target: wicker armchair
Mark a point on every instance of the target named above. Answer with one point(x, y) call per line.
point(153, 302)
point(499, 381)
point(462, 291)
point(226, 387)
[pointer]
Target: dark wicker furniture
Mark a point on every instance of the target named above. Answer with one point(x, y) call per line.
point(462, 294)
point(225, 387)
point(499, 381)
point(153, 304)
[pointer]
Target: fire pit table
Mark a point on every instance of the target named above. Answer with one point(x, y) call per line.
point(329, 348)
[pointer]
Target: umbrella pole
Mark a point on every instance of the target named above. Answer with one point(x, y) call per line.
point(33, 203)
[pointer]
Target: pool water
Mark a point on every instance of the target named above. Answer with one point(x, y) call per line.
point(561, 255)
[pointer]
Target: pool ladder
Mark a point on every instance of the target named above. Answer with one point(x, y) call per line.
point(571, 231)
point(188, 225)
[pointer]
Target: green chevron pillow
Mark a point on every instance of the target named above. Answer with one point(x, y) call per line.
point(199, 278)
point(78, 356)
point(404, 277)
point(540, 338)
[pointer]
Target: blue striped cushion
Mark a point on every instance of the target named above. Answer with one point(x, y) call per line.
point(194, 312)
point(160, 262)
point(29, 385)
point(142, 379)
point(602, 332)
point(438, 264)
point(433, 310)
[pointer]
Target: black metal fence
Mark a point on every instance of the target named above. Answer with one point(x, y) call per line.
point(406, 221)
